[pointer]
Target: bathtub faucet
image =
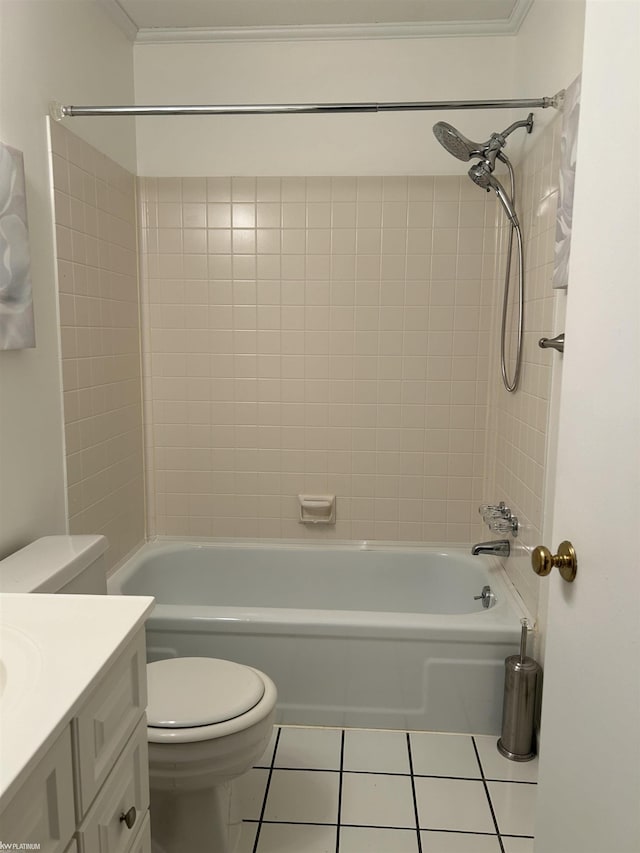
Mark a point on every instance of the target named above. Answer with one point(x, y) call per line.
point(501, 548)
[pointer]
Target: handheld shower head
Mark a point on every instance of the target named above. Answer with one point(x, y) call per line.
point(481, 175)
point(455, 143)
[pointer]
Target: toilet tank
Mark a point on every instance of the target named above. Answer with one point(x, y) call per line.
point(66, 564)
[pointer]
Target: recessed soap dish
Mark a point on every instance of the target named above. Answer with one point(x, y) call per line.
point(317, 509)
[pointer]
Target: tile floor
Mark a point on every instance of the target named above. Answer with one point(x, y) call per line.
point(319, 790)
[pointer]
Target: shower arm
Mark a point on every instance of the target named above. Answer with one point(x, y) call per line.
point(493, 149)
point(60, 111)
point(528, 123)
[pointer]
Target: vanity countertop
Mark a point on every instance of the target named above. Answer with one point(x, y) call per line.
point(52, 649)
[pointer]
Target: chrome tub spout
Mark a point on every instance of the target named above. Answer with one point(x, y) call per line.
point(501, 548)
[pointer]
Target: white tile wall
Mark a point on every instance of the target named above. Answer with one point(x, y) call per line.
point(300, 335)
point(95, 216)
point(318, 335)
point(518, 423)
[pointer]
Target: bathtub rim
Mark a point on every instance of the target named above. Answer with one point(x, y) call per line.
point(326, 622)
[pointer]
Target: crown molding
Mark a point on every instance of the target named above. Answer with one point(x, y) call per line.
point(120, 18)
point(316, 32)
point(519, 13)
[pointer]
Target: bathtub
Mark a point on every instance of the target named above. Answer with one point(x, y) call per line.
point(353, 635)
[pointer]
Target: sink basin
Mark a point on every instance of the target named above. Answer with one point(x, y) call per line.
point(20, 665)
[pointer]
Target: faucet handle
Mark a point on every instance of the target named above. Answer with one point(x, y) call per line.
point(505, 524)
point(493, 511)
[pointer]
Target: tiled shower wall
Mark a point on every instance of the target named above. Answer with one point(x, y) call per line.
point(518, 423)
point(325, 335)
point(95, 216)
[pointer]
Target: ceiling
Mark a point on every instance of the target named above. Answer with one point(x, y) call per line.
point(171, 20)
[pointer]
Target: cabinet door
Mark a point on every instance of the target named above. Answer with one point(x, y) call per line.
point(107, 719)
point(41, 813)
point(104, 830)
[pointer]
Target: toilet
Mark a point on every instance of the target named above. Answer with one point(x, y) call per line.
point(208, 720)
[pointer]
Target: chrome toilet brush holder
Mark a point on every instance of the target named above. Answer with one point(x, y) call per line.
point(522, 677)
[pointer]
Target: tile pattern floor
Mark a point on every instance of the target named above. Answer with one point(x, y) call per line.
point(319, 790)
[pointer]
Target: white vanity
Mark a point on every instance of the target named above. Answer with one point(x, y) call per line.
point(73, 738)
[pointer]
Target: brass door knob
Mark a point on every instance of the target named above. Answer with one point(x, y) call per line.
point(542, 561)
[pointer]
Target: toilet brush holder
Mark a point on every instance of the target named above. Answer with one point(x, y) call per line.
point(521, 681)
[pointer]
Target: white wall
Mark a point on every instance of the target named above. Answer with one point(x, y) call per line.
point(294, 72)
point(549, 56)
point(65, 50)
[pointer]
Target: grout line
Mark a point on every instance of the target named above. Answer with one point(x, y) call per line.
point(342, 736)
point(486, 790)
point(382, 826)
point(413, 794)
point(398, 774)
point(266, 792)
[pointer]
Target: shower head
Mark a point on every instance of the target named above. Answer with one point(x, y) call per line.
point(464, 149)
point(481, 174)
point(455, 143)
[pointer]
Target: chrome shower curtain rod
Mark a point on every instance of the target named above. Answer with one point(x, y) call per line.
point(59, 111)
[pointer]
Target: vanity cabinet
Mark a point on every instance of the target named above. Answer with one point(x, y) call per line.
point(89, 792)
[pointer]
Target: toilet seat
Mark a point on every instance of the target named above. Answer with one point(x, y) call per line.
point(186, 693)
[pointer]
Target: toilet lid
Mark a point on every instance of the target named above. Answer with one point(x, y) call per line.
point(186, 692)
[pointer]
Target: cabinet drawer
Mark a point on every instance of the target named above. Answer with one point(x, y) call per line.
point(42, 810)
point(106, 720)
point(142, 842)
point(103, 831)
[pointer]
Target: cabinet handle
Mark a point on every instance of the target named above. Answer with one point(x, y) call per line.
point(129, 817)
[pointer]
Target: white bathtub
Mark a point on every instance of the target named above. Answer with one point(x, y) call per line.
point(352, 634)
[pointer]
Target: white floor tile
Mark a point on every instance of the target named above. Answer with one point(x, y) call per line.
point(517, 845)
point(365, 839)
point(496, 766)
point(514, 806)
point(374, 800)
point(303, 796)
point(456, 842)
point(309, 749)
point(285, 838)
point(436, 754)
point(267, 756)
point(455, 804)
point(247, 838)
point(377, 751)
point(249, 789)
